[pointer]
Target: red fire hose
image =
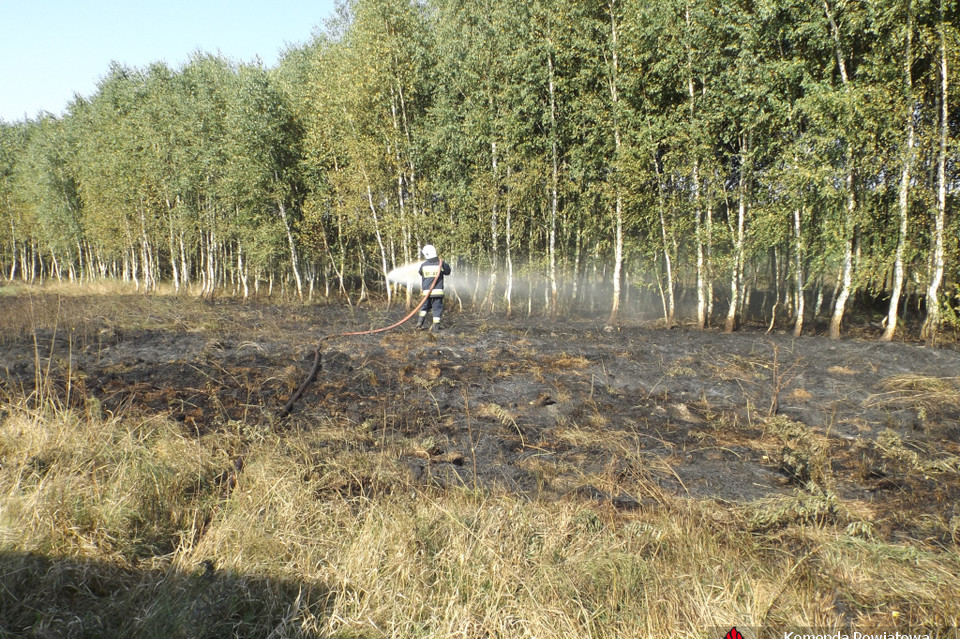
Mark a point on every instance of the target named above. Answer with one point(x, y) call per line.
point(316, 359)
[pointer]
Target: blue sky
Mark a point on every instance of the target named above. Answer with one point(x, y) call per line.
point(53, 49)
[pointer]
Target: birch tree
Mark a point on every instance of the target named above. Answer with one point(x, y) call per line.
point(931, 324)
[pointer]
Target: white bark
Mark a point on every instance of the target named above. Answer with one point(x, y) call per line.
point(294, 260)
point(931, 324)
point(736, 276)
point(554, 184)
point(798, 275)
point(618, 206)
point(904, 199)
point(846, 277)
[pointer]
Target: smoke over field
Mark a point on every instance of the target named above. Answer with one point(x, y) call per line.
point(529, 291)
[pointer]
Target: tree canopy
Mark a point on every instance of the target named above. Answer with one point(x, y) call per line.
point(720, 159)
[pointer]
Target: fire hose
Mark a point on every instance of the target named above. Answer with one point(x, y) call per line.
point(318, 351)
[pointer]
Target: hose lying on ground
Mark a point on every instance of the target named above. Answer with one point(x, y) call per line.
point(317, 352)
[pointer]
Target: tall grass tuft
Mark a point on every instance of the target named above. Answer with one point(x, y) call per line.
point(88, 487)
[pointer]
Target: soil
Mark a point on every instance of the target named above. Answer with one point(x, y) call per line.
point(570, 408)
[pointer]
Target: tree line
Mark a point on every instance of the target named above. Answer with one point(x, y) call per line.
point(785, 156)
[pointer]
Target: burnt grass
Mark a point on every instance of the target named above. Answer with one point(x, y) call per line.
point(557, 409)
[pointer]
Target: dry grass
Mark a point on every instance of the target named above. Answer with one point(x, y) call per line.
point(566, 361)
point(134, 526)
point(97, 312)
point(130, 521)
point(91, 488)
point(923, 393)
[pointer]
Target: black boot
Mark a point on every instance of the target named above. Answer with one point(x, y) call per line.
point(420, 322)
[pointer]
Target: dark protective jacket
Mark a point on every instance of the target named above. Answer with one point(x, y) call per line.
point(428, 271)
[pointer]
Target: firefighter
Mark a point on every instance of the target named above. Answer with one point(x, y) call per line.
point(432, 268)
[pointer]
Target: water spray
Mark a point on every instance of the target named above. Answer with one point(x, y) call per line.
point(317, 352)
point(406, 275)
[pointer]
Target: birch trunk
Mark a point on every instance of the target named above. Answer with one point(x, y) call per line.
point(173, 252)
point(618, 205)
point(383, 251)
point(736, 275)
point(184, 263)
point(669, 301)
point(798, 273)
point(698, 213)
point(508, 294)
point(931, 324)
point(395, 96)
point(294, 258)
point(242, 270)
point(709, 260)
point(701, 261)
point(13, 251)
point(554, 182)
point(904, 199)
point(846, 276)
point(494, 228)
point(211, 264)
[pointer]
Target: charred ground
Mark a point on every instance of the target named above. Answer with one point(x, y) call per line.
point(565, 409)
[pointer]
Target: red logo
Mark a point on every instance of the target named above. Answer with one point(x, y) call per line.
point(734, 634)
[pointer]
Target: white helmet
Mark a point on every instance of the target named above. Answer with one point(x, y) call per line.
point(429, 251)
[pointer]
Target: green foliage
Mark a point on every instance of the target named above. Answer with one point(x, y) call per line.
point(453, 123)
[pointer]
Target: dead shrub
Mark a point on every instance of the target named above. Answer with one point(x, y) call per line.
point(928, 396)
point(803, 456)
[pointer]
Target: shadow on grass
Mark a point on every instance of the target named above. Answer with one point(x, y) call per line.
point(62, 597)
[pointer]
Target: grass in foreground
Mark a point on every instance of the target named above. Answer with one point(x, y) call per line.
point(134, 526)
point(130, 527)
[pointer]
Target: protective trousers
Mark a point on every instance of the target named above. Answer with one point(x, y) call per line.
point(432, 303)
